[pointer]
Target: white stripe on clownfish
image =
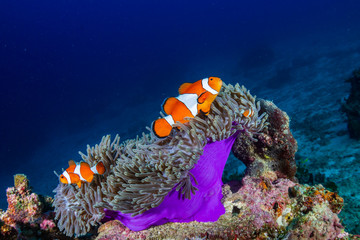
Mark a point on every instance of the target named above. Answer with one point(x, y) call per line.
point(77, 171)
point(191, 101)
point(205, 85)
point(81, 172)
point(67, 176)
point(169, 119)
point(94, 169)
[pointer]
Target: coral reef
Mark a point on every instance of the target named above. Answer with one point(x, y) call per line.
point(267, 203)
point(142, 172)
point(149, 181)
point(352, 105)
point(27, 215)
point(279, 209)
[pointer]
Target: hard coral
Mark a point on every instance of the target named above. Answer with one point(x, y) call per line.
point(142, 172)
point(23, 206)
point(25, 217)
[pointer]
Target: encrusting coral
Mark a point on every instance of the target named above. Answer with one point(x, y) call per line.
point(142, 172)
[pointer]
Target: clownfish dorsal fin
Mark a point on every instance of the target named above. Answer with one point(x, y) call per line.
point(71, 163)
point(169, 105)
point(184, 87)
point(203, 97)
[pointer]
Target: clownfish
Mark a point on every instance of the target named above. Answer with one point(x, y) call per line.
point(81, 172)
point(248, 113)
point(194, 98)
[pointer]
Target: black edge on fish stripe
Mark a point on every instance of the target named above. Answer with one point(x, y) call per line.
point(163, 104)
point(200, 97)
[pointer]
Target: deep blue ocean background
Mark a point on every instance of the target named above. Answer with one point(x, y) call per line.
point(73, 71)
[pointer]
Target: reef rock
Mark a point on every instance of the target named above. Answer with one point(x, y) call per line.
point(28, 215)
point(352, 105)
point(267, 203)
point(256, 208)
point(274, 152)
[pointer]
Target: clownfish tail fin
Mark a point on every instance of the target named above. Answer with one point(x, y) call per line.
point(161, 127)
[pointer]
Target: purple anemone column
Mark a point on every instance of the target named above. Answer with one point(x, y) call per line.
point(204, 206)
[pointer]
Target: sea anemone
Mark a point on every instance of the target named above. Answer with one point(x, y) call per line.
point(146, 175)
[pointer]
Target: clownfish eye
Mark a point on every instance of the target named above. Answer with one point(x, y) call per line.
point(61, 176)
point(211, 79)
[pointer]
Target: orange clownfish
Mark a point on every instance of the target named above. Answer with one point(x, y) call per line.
point(248, 113)
point(194, 98)
point(77, 173)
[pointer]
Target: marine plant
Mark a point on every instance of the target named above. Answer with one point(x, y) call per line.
point(144, 173)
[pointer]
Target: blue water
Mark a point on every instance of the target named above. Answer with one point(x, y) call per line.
point(72, 71)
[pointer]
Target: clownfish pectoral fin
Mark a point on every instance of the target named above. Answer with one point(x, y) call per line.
point(161, 127)
point(169, 105)
point(79, 184)
point(74, 178)
point(205, 108)
point(71, 163)
point(184, 87)
point(201, 99)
